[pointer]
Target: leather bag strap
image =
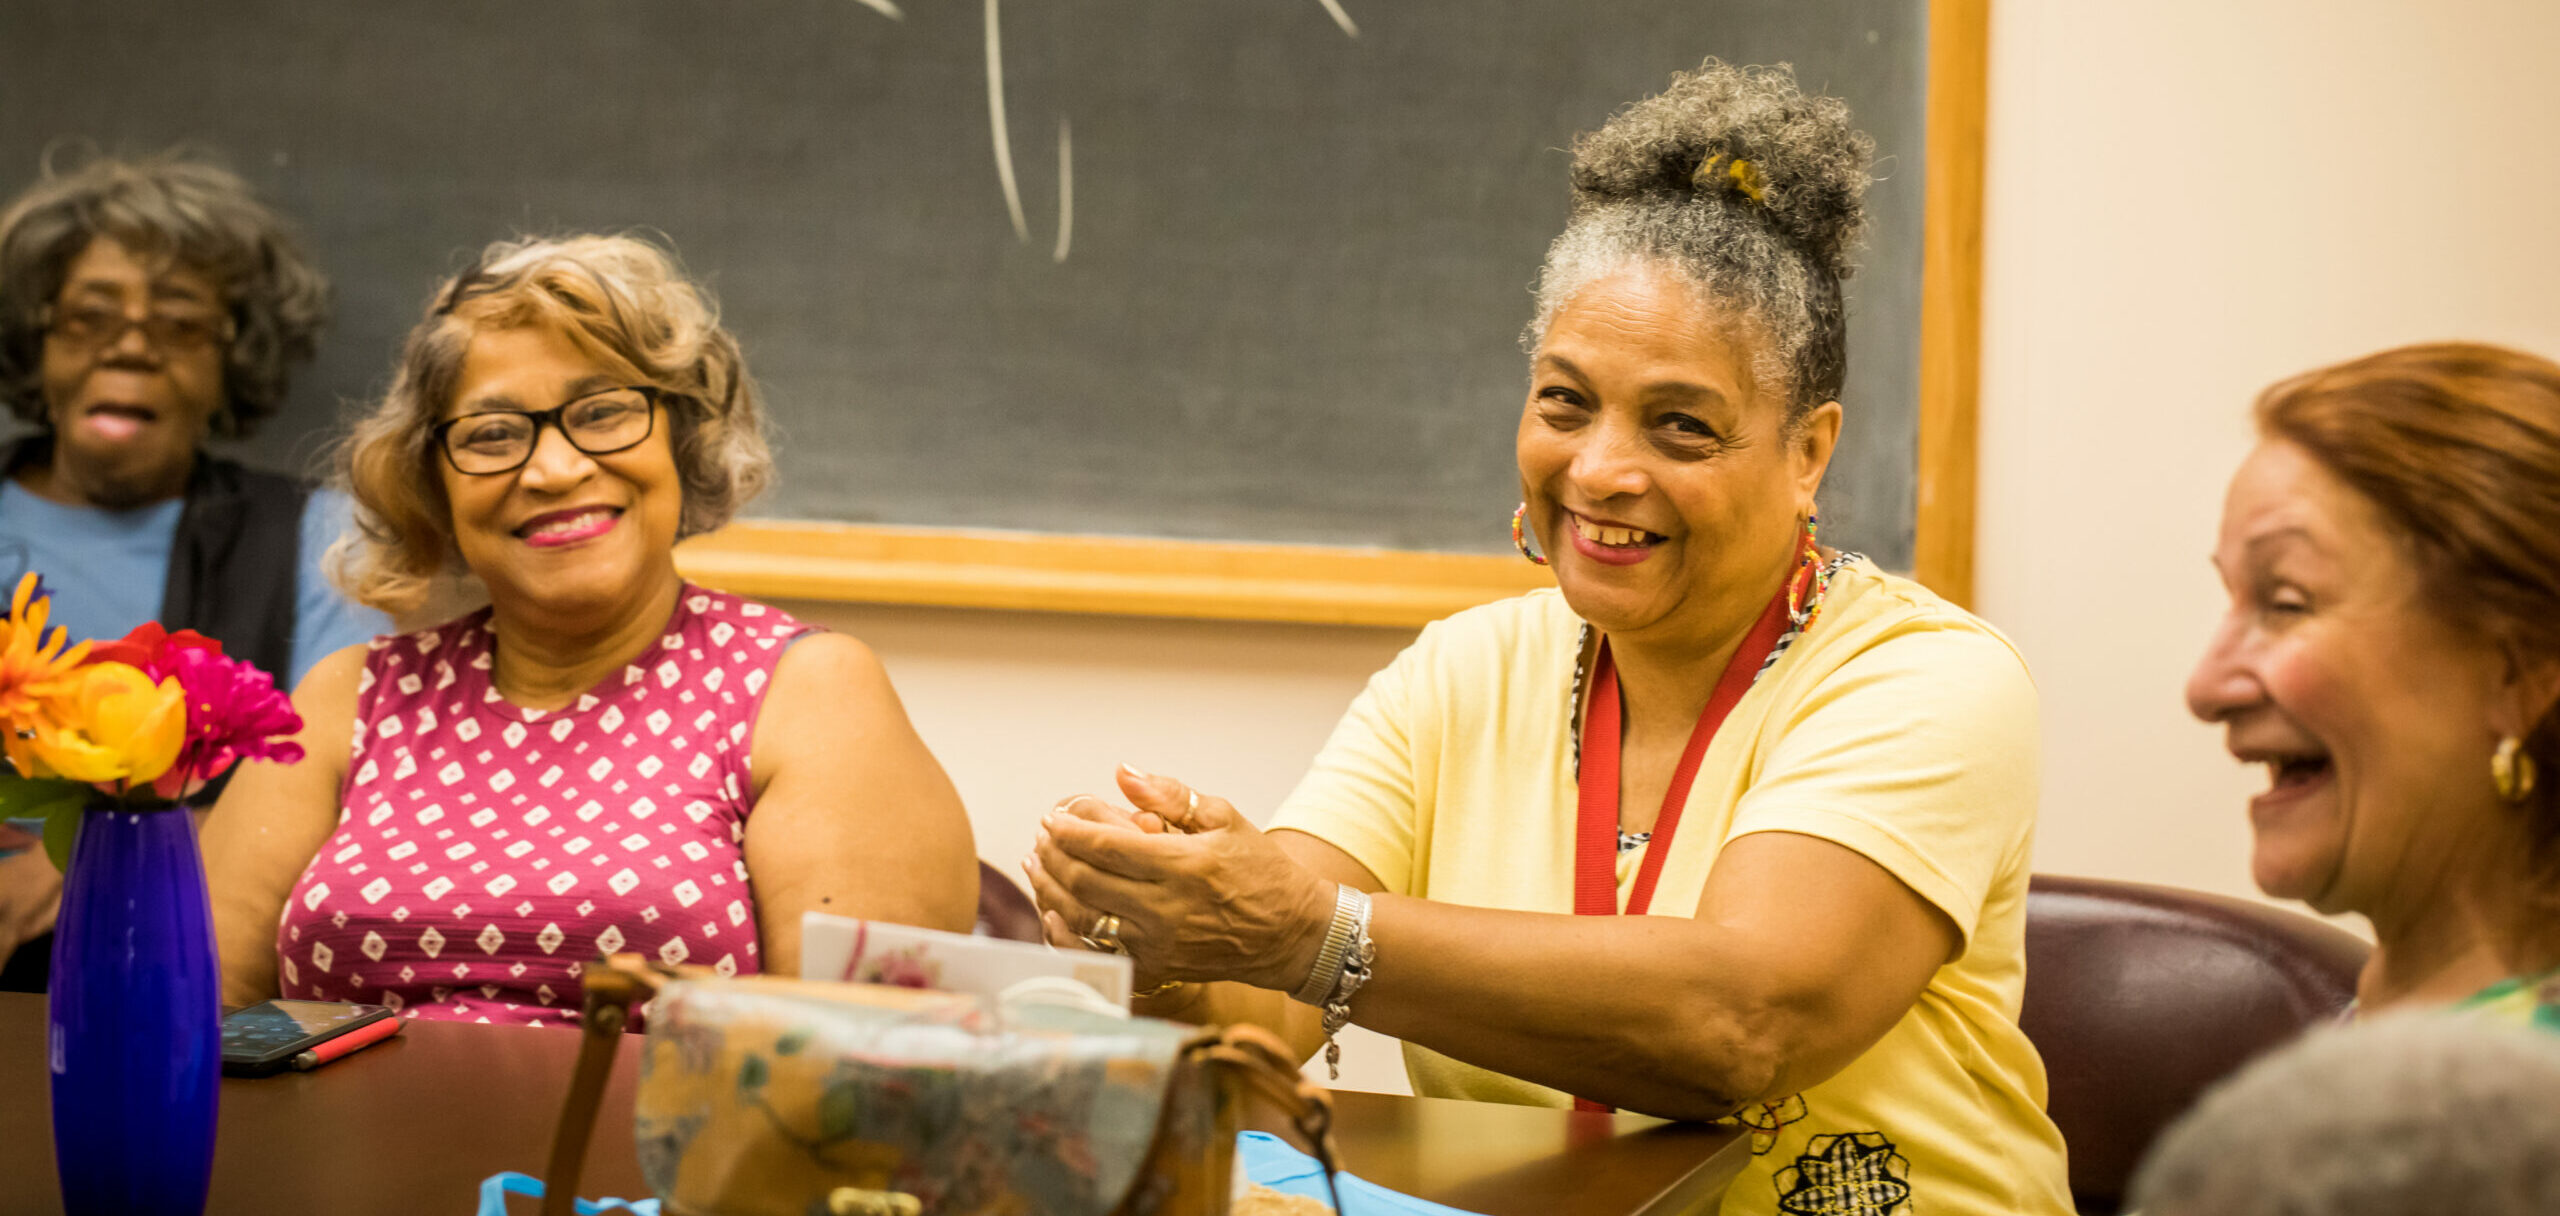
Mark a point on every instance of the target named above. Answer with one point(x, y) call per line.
point(611, 986)
point(1262, 1065)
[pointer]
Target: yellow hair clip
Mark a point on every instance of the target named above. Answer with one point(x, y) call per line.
point(1744, 175)
point(1705, 176)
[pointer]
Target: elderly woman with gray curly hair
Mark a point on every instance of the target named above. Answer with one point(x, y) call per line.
point(606, 757)
point(1727, 825)
point(147, 306)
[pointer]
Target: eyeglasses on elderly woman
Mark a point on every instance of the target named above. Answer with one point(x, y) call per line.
point(501, 441)
point(96, 325)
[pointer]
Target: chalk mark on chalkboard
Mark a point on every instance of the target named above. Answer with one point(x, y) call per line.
point(995, 117)
point(1340, 17)
point(1004, 149)
point(1066, 189)
point(1066, 142)
point(885, 8)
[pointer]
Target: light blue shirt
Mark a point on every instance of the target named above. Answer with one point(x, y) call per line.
point(107, 570)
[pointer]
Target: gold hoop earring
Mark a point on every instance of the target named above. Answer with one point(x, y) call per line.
point(1520, 534)
point(2512, 770)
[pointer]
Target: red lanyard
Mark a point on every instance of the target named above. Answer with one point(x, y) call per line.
point(1596, 835)
point(1595, 852)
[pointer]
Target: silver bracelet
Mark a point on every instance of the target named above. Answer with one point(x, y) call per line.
point(1327, 972)
point(1355, 972)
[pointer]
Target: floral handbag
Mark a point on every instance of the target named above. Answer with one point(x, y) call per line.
point(765, 1096)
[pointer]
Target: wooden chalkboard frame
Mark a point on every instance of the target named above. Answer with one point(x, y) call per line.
point(1320, 585)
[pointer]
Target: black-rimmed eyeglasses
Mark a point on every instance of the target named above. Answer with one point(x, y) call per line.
point(502, 441)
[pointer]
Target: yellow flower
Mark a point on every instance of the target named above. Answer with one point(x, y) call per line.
point(112, 724)
point(33, 667)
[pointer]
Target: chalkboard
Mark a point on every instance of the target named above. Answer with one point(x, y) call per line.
point(1273, 260)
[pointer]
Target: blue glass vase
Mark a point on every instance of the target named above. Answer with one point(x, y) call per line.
point(135, 1034)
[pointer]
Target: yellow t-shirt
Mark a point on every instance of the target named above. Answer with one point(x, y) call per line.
point(1898, 726)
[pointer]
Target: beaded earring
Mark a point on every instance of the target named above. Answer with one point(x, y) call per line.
point(1801, 614)
point(2512, 770)
point(1520, 535)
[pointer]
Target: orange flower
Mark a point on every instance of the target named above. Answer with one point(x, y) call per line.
point(34, 668)
point(111, 725)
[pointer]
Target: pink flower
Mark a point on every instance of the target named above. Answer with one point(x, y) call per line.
point(235, 712)
point(151, 648)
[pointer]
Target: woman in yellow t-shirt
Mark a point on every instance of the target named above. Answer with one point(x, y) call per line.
point(1730, 824)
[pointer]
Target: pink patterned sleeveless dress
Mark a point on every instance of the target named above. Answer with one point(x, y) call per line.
point(485, 852)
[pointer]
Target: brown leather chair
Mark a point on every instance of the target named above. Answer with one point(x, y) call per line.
point(2139, 997)
point(1005, 910)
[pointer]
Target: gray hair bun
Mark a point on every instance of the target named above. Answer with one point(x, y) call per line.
point(1807, 163)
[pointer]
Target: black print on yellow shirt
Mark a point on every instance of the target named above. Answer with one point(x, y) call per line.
point(1768, 1119)
point(1858, 1174)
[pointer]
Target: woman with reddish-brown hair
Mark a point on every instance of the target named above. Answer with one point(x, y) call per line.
point(2392, 656)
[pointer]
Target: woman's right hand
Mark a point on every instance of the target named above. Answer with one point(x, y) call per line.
point(1101, 812)
point(1209, 898)
point(1098, 810)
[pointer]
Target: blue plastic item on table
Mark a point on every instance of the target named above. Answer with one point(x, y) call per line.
point(496, 1187)
point(1269, 1161)
point(1266, 1161)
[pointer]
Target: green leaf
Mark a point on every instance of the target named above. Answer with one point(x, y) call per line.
point(792, 1041)
point(21, 798)
point(62, 828)
point(753, 1073)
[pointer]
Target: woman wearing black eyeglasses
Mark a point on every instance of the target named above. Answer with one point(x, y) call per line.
point(605, 758)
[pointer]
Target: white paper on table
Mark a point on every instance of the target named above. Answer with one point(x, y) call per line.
point(840, 948)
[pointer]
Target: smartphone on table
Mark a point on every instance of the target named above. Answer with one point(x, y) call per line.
point(272, 1036)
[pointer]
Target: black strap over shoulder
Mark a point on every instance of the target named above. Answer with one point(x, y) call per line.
point(236, 562)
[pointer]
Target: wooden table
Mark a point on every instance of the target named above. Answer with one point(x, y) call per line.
point(414, 1124)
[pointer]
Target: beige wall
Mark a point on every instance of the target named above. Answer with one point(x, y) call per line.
point(2187, 200)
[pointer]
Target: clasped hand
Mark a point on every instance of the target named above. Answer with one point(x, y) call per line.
point(1200, 893)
